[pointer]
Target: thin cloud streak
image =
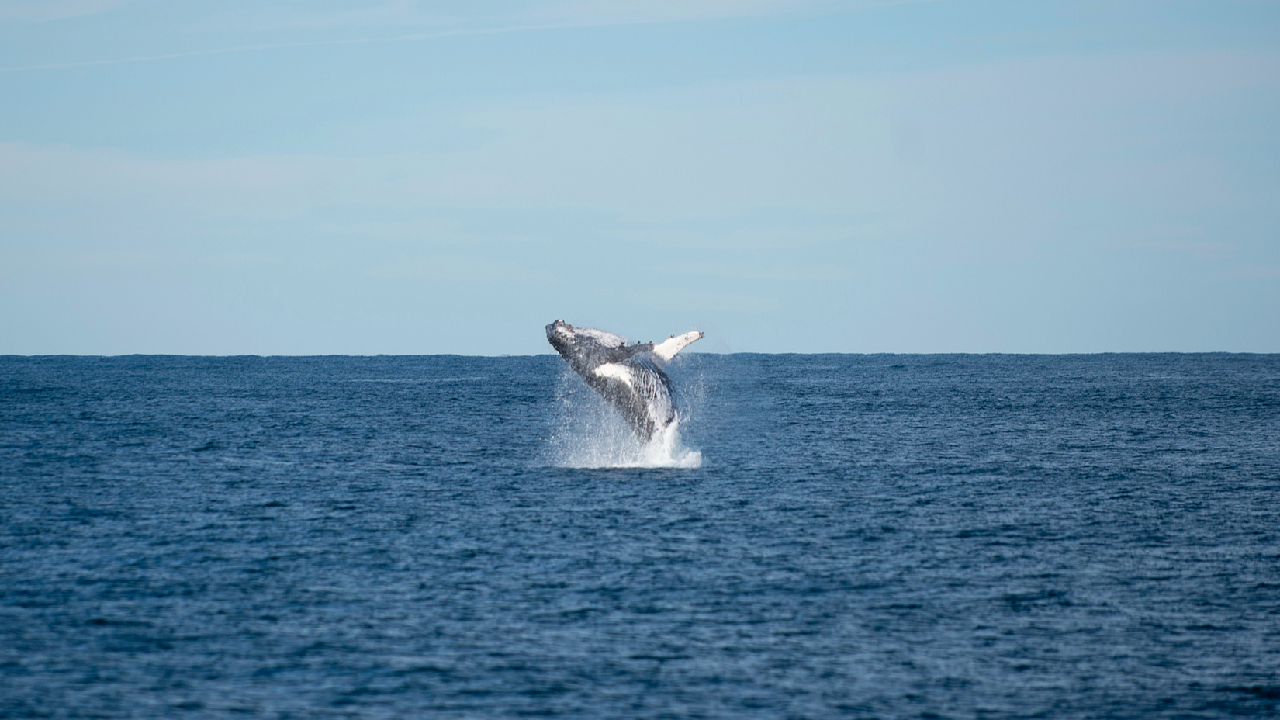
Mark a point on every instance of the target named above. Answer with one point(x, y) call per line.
point(415, 37)
point(599, 20)
point(44, 11)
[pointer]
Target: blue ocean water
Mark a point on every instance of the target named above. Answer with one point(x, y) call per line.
point(836, 536)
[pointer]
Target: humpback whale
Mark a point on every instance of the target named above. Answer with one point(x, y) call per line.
point(630, 377)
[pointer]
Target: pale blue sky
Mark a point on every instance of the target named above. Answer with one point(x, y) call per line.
point(412, 177)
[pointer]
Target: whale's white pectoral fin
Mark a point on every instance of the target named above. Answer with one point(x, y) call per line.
point(668, 348)
point(615, 371)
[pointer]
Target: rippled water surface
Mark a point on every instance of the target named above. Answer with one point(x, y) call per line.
point(862, 536)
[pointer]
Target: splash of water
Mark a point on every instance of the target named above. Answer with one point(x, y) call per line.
point(590, 434)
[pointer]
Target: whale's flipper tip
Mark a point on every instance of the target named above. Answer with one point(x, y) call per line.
point(668, 348)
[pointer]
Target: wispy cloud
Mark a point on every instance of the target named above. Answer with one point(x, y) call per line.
point(1064, 132)
point(596, 12)
point(457, 15)
point(561, 15)
point(280, 45)
point(40, 10)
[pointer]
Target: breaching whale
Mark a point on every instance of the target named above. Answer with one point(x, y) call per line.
point(630, 377)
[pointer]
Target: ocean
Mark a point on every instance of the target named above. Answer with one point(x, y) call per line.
point(864, 536)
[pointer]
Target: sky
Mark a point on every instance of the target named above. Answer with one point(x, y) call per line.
point(324, 177)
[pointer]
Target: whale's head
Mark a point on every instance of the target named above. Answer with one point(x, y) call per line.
point(560, 334)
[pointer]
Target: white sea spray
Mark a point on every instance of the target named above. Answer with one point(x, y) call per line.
point(590, 434)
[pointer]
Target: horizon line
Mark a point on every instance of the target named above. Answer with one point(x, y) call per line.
point(9, 356)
